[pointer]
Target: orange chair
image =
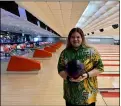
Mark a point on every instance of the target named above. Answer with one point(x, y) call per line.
point(50, 49)
point(57, 45)
point(18, 63)
point(41, 54)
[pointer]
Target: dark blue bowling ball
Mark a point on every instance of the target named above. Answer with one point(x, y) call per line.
point(75, 68)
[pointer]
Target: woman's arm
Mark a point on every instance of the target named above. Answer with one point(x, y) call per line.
point(63, 74)
point(61, 66)
point(92, 73)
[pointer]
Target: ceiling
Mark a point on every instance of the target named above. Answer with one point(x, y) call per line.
point(62, 15)
point(105, 16)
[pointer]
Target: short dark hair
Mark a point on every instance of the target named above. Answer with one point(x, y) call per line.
point(73, 31)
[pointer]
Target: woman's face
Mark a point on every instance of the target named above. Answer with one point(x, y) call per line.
point(76, 39)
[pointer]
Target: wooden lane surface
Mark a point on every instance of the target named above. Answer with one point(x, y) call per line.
point(109, 53)
point(108, 82)
point(110, 58)
point(111, 68)
point(111, 63)
point(111, 101)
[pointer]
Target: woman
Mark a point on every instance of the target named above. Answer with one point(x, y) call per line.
point(83, 90)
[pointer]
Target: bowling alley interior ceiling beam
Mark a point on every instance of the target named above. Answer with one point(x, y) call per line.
point(104, 22)
point(105, 16)
point(60, 16)
point(34, 9)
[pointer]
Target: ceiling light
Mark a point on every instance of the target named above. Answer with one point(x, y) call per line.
point(92, 7)
point(110, 3)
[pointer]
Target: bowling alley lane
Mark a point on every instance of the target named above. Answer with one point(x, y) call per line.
point(112, 101)
point(100, 101)
point(108, 50)
point(111, 68)
point(111, 63)
point(110, 58)
point(109, 53)
point(108, 81)
point(111, 98)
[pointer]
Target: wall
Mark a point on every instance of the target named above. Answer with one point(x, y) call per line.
point(96, 40)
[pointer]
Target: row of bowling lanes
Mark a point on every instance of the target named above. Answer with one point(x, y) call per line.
point(46, 87)
point(19, 49)
point(108, 81)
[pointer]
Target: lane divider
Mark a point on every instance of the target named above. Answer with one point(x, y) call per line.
point(111, 64)
point(110, 94)
point(109, 75)
point(109, 56)
point(110, 60)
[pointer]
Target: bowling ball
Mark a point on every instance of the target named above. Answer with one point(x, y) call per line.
point(75, 68)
